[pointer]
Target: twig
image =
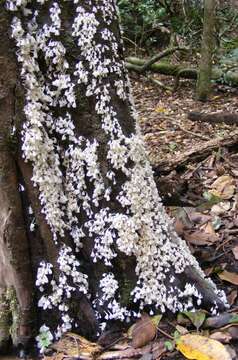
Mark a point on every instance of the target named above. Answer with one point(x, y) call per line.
point(132, 42)
point(185, 130)
point(159, 83)
point(165, 333)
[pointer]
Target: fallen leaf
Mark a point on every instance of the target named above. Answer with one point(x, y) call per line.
point(222, 336)
point(182, 320)
point(196, 317)
point(179, 227)
point(228, 276)
point(58, 356)
point(223, 187)
point(156, 319)
point(143, 331)
point(216, 223)
point(147, 356)
point(209, 229)
point(221, 208)
point(233, 331)
point(199, 347)
point(232, 297)
point(231, 352)
point(157, 348)
point(182, 330)
point(74, 345)
point(235, 252)
point(200, 237)
point(169, 345)
point(160, 109)
point(221, 320)
point(209, 271)
point(198, 217)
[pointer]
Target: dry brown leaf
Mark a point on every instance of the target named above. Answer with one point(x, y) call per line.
point(231, 352)
point(143, 331)
point(233, 331)
point(156, 349)
point(228, 276)
point(181, 329)
point(198, 217)
point(209, 229)
point(221, 208)
point(235, 252)
point(232, 297)
point(179, 227)
point(75, 345)
point(222, 336)
point(223, 187)
point(200, 237)
point(221, 320)
point(58, 356)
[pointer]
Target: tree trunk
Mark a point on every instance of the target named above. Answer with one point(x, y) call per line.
point(205, 70)
point(94, 235)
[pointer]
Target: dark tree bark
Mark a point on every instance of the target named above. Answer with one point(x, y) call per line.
point(88, 226)
point(15, 262)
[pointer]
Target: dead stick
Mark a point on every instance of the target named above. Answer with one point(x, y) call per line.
point(198, 151)
point(185, 130)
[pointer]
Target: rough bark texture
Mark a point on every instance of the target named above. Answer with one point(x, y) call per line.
point(15, 263)
point(205, 70)
point(22, 249)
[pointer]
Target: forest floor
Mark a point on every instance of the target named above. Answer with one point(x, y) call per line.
point(205, 197)
point(204, 205)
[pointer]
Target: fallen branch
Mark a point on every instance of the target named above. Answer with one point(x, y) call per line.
point(164, 68)
point(198, 152)
point(182, 71)
point(214, 118)
point(147, 64)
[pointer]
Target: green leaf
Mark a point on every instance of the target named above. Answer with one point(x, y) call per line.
point(169, 345)
point(156, 319)
point(176, 335)
point(197, 318)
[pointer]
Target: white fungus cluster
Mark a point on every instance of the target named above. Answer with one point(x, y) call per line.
point(69, 281)
point(140, 227)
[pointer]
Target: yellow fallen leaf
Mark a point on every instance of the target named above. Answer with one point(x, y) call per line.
point(197, 347)
point(160, 109)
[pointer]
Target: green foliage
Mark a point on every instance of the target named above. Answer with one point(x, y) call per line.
point(151, 22)
point(169, 345)
point(141, 20)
